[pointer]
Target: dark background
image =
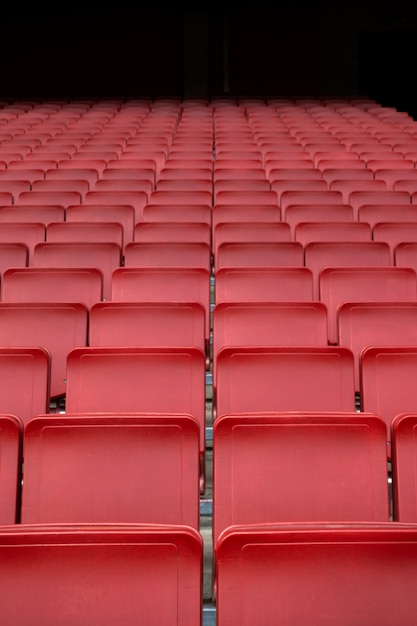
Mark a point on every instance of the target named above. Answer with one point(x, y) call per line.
point(211, 49)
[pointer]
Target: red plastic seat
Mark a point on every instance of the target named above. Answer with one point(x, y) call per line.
point(167, 254)
point(298, 213)
point(68, 477)
point(309, 232)
point(404, 463)
point(90, 232)
point(123, 214)
point(124, 565)
point(259, 254)
point(167, 231)
point(283, 563)
point(394, 233)
point(27, 233)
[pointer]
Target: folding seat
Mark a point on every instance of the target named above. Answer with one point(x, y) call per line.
point(171, 231)
point(135, 199)
point(177, 213)
point(125, 565)
point(123, 214)
point(68, 477)
point(90, 175)
point(146, 174)
point(164, 284)
point(36, 213)
point(258, 254)
point(404, 489)
point(394, 161)
point(395, 232)
point(309, 232)
point(81, 162)
point(298, 213)
point(283, 378)
point(244, 162)
point(237, 324)
point(90, 232)
point(106, 256)
point(6, 198)
point(184, 185)
point(124, 185)
point(55, 326)
point(13, 187)
point(282, 563)
point(140, 153)
point(39, 163)
point(387, 380)
point(325, 467)
point(296, 173)
point(27, 233)
point(11, 440)
point(239, 185)
point(147, 324)
point(28, 175)
point(235, 174)
point(263, 284)
point(139, 379)
point(13, 255)
point(178, 164)
point(25, 391)
point(183, 173)
point(358, 199)
point(364, 284)
point(168, 254)
point(228, 213)
point(374, 214)
point(52, 284)
point(353, 165)
point(128, 166)
point(321, 254)
point(249, 232)
point(405, 254)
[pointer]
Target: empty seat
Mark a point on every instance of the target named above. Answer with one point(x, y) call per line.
point(244, 213)
point(124, 566)
point(52, 284)
point(266, 196)
point(360, 198)
point(139, 379)
point(181, 197)
point(268, 324)
point(284, 378)
point(405, 254)
point(11, 440)
point(298, 213)
point(166, 231)
point(25, 374)
point(316, 197)
point(115, 213)
point(364, 284)
point(135, 199)
point(153, 476)
point(285, 563)
point(177, 213)
point(309, 232)
point(167, 254)
point(13, 255)
point(404, 463)
point(267, 284)
point(62, 198)
point(147, 324)
point(261, 254)
point(321, 254)
point(106, 256)
point(305, 467)
point(375, 213)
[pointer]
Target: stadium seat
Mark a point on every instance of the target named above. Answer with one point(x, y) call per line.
point(172, 231)
point(153, 476)
point(250, 232)
point(259, 254)
point(284, 378)
point(123, 565)
point(123, 214)
point(360, 198)
point(404, 487)
point(177, 213)
point(52, 284)
point(167, 254)
point(395, 232)
point(90, 232)
point(297, 213)
point(310, 232)
point(26, 233)
point(13, 255)
point(283, 563)
point(244, 213)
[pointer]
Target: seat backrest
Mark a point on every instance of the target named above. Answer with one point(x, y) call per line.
point(52, 284)
point(297, 213)
point(283, 563)
point(261, 254)
point(284, 378)
point(89, 231)
point(308, 232)
point(395, 232)
point(301, 469)
point(177, 213)
point(11, 440)
point(68, 477)
point(25, 373)
point(228, 232)
point(359, 198)
point(167, 254)
point(392, 213)
point(28, 233)
point(364, 284)
point(125, 565)
point(324, 196)
point(147, 323)
point(184, 231)
point(387, 379)
point(101, 213)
